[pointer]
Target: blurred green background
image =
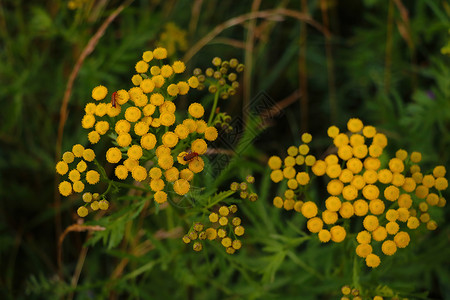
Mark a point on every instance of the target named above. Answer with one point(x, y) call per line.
point(386, 62)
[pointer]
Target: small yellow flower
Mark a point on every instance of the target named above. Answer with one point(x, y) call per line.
point(165, 161)
point(364, 237)
point(147, 85)
point(392, 227)
point(211, 134)
point(113, 155)
point(403, 214)
point(93, 137)
point(172, 90)
point(94, 205)
point(183, 87)
point(74, 175)
point(101, 109)
point(319, 168)
point(363, 250)
point(439, 171)
point(274, 162)
point(355, 165)
point(160, 197)
point(157, 184)
point(167, 107)
point(422, 191)
point(389, 248)
point(309, 209)
point(289, 172)
point(141, 128)
point(373, 260)
point(172, 174)
point(170, 139)
point(346, 176)
point(133, 114)
point(306, 138)
point(379, 234)
point(160, 53)
point(147, 56)
point(122, 126)
point(99, 92)
point(416, 157)
point(77, 150)
point(136, 79)
point(65, 188)
point(361, 207)
point(162, 150)
point(103, 204)
point(90, 108)
point(167, 119)
point(334, 187)
point(88, 121)
point(123, 139)
point(370, 223)
point(196, 165)
point(82, 211)
point(396, 165)
point(224, 211)
point(349, 192)
point(92, 177)
point(122, 97)
point(196, 110)
point(81, 166)
point(314, 225)
point(141, 66)
point(338, 233)
point(102, 127)
point(135, 152)
point(371, 192)
point(441, 184)
point(62, 167)
point(380, 140)
point(402, 239)
point(166, 71)
point(148, 141)
point(413, 223)
point(355, 125)
point(139, 173)
point(199, 146)
point(432, 199)
point(193, 82)
point(324, 235)
point(346, 211)
point(278, 202)
point(345, 152)
point(158, 80)
point(360, 151)
point(329, 217)
point(191, 125)
point(178, 67)
point(239, 230)
point(333, 131)
point(341, 140)
point(87, 197)
point(181, 131)
point(88, 155)
point(156, 99)
point(121, 172)
point(333, 171)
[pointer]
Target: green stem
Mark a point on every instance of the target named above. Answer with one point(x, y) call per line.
point(211, 115)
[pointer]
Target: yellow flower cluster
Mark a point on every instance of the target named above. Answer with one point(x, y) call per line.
point(353, 293)
point(225, 228)
point(145, 126)
point(222, 79)
point(244, 189)
point(389, 198)
point(293, 169)
point(79, 175)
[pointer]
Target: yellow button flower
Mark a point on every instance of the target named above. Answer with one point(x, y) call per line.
point(99, 92)
point(333, 203)
point(136, 79)
point(123, 139)
point(439, 171)
point(278, 202)
point(139, 173)
point(148, 141)
point(133, 114)
point(302, 178)
point(371, 192)
point(356, 139)
point(346, 176)
point(346, 211)
point(88, 155)
point(363, 250)
point(193, 82)
point(329, 217)
point(341, 140)
point(82, 211)
point(172, 90)
point(102, 127)
point(334, 187)
point(333, 171)
point(360, 151)
point(360, 207)
point(392, 227)
point(135, 152)
point(201, 126)
point(147, 56)
point(314, 225)
point(141, 66)
point(345, 152)
point(157, 184)
point(324, 235)
point(369, 131)
point(196, 165)
point(309, 209)
point(199, 146)
point(160, 53)
point(355, 165)
point(121, 172)
point(319, 168)
point(186, 174)
point(81, 166)
point(147, 85)
point(375, 151)
point(349, 192)
point(62, 167)
point(101, 109)
point(88, 121)
point(372, 163)
point(211, 134)
point(373, 260)
point(379, 234)
point(113, 155)
point(274, 162)
point(92, 177)
point(90, 108)
point(338, 233)
point(65, 188)
point(376, 207)
point(165, 161)
point(364, 237)
point(389, 247)
point(333, 131)
point(402, 239)
point(166, 71)
point(160, 197)
point(170, 139)
point(158, 80)
point(355, 125)
point(358, 182)
point(370, 223)
point(196, 110)
point(183, 87)
point(380, 140)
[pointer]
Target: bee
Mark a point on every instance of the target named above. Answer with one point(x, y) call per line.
point(113, 99)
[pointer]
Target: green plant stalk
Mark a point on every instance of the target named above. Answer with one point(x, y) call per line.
point(213, 110)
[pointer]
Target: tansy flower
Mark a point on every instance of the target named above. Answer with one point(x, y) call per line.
point(148, 141)
point(199, 146)
point(99, 92)
point(363, 250)
point(160, 53)
point(101, 109)
point(191, 125)
point(178, 67)
point(62, 167)
point(196, 110)
point(167, 106)
point(360, 207)
point(158, 80)
point(402, 239)
point(132, 114)
point(379, 234)
point(160, 197)
point(74, 175)
point(302, 178)
point(147, 56)
point(135, 152)
point(211, 134)
point(90, 108)
point(123, 139)
point(389, 247)
point(121, 172)
point(92, 177)
point(370, 223)
point(392, 227)
point(113, 155)
point(141, 66)
point(274, 162)
point(172, 90)
point(329, 217)
point(371, 163)
point(82, 211)
point(309, 209)
point(65, 188)
point(88, 121)
point(139, 173)
point(314, 225)
point(81, 166)
point(373, 260)
point(333, 131)
point(337, 233)
point(324, 235)
point(166, 71)
point(364, 237)
point(167, 119)
point(136, 79)
point(346, 210)
point(193, 82)
point(183, 87)
point(88, 155)
point(341, 140)
point(147, 85)
point(170, 139)
point(334, 187)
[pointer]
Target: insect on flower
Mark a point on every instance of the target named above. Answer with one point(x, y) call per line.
point(113, 99)
point(190, 156)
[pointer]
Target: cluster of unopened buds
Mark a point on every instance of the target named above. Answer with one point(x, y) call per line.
point(390, 197)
